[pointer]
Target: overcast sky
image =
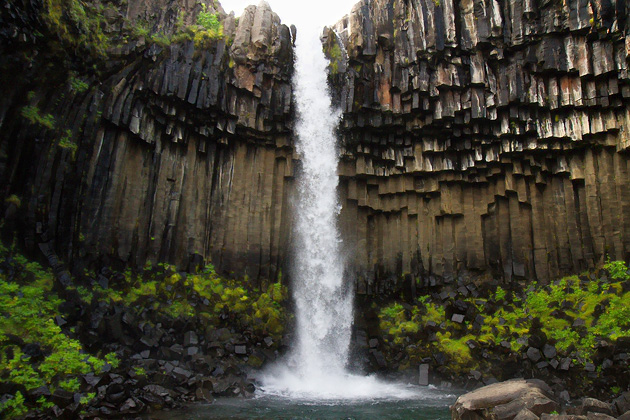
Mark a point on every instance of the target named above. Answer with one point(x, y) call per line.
point(299, 12)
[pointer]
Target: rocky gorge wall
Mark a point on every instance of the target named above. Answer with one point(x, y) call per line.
point(180, 152)
point(482, 138)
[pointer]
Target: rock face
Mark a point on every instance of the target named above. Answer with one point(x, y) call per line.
point(519, 398)
point(182, 151)
point(483, 138)
point(480, 139)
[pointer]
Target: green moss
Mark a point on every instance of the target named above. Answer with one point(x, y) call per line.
point(335, 56)
point(66, 143)
point(14, 199)
point(78, 25)
point(457, 351)
point(35, 117)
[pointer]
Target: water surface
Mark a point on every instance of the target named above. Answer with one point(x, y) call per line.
point(428, 404)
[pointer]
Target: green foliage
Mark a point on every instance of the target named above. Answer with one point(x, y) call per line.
point(161, 39)
point(14, 407)
point(67, 143)
point(499, 294)
point(165, 291)
point(601, 303)
point(27, 310)
point(70, 385)
point(78, 85)
point(209, 28)
point(208, 20)
point(87, 398)
point(34, 116)
point(140, 30)
point(618, 270)
point(139, 371)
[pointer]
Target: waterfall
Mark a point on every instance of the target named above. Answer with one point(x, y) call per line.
point(316, 366)
point(323, 307)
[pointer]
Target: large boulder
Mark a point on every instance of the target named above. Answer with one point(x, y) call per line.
point(505, 400)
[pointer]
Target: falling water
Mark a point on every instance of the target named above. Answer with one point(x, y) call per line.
point(323, 307)
point(316, 368)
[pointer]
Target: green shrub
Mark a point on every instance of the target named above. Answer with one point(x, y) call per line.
point(512, 320)
point(78, 85)
point(208, 20)
point(618, 270)
point(27, 310)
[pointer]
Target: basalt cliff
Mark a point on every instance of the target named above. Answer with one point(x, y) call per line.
point(480, 139)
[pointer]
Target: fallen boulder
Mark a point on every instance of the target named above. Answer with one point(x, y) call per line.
point(505, 401)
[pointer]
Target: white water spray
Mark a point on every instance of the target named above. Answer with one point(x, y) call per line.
point(316, 368)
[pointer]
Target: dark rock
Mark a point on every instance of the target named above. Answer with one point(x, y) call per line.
point(423, 374)
point(525, 414)
point(181, 374)
point(542, 365)
point(624, 416)
point(592, 405)
point(564, 396)
point(549, 351)
point(378, 359)
point(190, 339)
point(622, 402)
point(533, 354)
point(458, 318)
point(92, 380)
point(598, 416)
point(440, 358)
point(62, 398)
point(158, 390)
point(39, 392)
point(373, 343)
point(130, 405)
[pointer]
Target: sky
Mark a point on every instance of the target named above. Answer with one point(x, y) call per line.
point(299, 12)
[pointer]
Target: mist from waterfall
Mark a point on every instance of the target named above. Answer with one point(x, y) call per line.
point(315, 368)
